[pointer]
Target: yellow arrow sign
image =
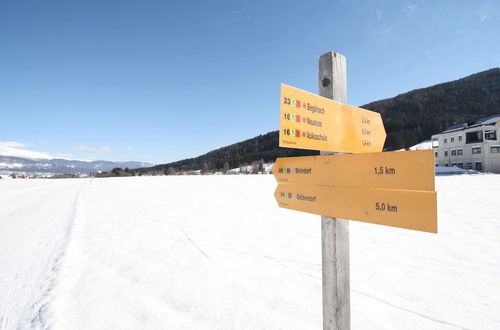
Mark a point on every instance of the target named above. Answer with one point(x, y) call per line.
point(410, 170)
point(309, 121)
point(408, 209)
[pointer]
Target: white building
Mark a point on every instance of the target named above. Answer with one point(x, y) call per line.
point(470, 145)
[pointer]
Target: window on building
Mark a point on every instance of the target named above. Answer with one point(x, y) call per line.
point(460, 152)
point(445, 140)
point(435, 143)
point(490, 135)
point(446, 153)
point(436, 154)
point(476, 150)
point(436, 165)
point(495, 149)
point(460, 138)
point(468, 166)
point(453, 164)
point(479, 166)
point(452, 139)
point(461, 165)
point(474, 137)
point(454, 152)
point(446, 165)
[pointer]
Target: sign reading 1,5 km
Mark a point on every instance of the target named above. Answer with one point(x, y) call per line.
point(309, 121)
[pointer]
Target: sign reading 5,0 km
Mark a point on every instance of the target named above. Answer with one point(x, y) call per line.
point(309, 121)
point(409, 209)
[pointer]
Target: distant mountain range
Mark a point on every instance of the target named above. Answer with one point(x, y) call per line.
point(408, 118)
point(10, 164)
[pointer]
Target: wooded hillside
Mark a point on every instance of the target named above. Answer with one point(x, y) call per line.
point(408, 118)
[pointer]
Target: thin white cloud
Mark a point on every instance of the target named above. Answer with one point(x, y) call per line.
point(129, 148)
point(16, 149)
point(483, 13)
point(96, 150)
point(11, 144)
point(483, 18)
point(410, 10)
point(237, 15)
point(234, 12)
point(390, 34)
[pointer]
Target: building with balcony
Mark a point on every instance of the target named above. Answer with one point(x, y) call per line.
point(470, 145)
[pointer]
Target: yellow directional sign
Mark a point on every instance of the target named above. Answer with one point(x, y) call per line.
point(408, 209)
point(409, 170)
point(309, 121)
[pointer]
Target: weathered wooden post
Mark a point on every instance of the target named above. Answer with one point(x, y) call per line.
point(335, 232)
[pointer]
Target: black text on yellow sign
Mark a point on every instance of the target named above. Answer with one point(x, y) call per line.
point(409, 209)
point(409, 170)
point(309, 121)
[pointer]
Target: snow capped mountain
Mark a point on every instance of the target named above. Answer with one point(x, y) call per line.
point(63, 166)
point(14, 159)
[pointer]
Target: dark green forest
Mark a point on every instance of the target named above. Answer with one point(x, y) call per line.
point(415, 116)
point(263, 148)
point(409, 118)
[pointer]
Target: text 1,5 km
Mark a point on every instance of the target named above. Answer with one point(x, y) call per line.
point(384, 170)
point(385, 207)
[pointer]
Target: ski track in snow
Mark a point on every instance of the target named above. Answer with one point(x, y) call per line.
point(410, 311)
point(270, 257)
point(29, 266)
point(40, 308)
point(196, 246)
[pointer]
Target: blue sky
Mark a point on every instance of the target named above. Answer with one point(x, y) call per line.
point(159, 81)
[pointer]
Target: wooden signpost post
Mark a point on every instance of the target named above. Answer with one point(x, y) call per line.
point(388, 188)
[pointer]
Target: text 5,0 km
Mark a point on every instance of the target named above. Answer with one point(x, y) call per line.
point(385, 207)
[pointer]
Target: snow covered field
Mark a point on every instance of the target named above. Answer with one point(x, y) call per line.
point(215, 252)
